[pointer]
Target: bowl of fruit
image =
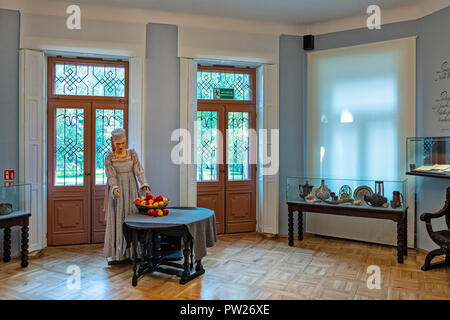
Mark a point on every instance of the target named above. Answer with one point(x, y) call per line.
point(152, 205)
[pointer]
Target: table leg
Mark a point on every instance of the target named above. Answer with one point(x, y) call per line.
point(405, 236)
point(24, 248)
point(191, 265)
point(157, 250)
point(186, 255)
point(400, 240)
point(199, 267)
point(150, 247)
point(300, 225)
point(134, 244)
point(7, 245)
point(291, 227)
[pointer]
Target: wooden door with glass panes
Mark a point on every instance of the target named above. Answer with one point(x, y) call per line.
point(87, 99)
point(226, 170)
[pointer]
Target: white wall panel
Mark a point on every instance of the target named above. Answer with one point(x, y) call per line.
point(135, 106)
point(32, 142)
point(270, 204)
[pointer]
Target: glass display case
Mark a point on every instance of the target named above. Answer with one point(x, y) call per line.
point(15, 198)
point(370, 194)
point(428, 156)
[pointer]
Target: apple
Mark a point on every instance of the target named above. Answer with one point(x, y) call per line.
point(165, 212)
point(148, 196)
point(151, 212)
point(138, 200)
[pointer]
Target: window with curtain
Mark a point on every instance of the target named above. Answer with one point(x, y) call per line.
point(361, 108)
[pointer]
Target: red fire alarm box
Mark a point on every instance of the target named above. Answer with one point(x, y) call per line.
point(9, 175)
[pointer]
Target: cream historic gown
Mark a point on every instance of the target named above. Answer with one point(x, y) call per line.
point(121, 173)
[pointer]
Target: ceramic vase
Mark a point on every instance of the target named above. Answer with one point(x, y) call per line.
point(323, 193)
point(397, 199)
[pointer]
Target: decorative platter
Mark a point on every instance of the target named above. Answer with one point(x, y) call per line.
point(362, 191)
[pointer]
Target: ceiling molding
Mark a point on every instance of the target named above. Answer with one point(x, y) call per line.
point(144, 16)
point(414, 11)
point(406, 13)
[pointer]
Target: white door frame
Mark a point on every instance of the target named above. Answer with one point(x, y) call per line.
point(33, 131)
point(267, 207)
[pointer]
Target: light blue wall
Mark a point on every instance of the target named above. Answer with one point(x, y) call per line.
point(9, 100)
point(433, 48)
point(9, 89)
point(292, 93)
point(162, 114)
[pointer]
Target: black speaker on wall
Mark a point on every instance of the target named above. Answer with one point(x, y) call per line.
point(308, 42)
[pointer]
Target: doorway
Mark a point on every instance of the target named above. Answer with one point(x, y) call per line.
point(226, 174)
point(87, 99)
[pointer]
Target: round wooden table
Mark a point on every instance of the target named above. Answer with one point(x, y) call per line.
point(196, 227)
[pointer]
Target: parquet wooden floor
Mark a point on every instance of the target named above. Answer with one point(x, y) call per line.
point(240, 266)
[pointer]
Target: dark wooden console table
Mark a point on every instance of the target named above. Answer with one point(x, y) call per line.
point(397, 215)
point(16, 218)
point(185, 223)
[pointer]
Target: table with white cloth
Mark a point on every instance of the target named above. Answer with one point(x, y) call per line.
point(151, 251)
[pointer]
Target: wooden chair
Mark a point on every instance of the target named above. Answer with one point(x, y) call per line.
point(441, 238)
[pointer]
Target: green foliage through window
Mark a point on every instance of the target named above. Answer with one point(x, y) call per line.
point(238, 145)
point(106, 120)
point(207, 146)
point(69, 146)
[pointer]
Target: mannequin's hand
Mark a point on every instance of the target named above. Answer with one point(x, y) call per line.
point(116, 192)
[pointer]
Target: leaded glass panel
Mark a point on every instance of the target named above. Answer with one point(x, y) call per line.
point(89, 80)
point(207, 146)
point(238, 145)
point(106, 120)
point(207, 81)
point(69, 146)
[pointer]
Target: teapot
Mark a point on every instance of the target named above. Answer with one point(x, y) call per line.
point(375, 200)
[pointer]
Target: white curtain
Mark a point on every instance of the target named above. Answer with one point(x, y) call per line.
point(361, 108)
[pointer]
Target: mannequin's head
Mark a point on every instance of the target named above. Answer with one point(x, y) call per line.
point(118, 140)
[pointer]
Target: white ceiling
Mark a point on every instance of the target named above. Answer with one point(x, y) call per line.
point(280, 11)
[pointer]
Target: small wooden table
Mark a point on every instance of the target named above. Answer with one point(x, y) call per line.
point(16, 218)
point(397, 215)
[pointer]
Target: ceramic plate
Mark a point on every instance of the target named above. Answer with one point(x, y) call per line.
point(362, 191)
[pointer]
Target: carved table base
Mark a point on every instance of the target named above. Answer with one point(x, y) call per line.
point(152, 258)
point(7, 222)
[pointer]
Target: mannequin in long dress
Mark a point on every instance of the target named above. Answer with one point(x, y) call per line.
point(123, 172)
